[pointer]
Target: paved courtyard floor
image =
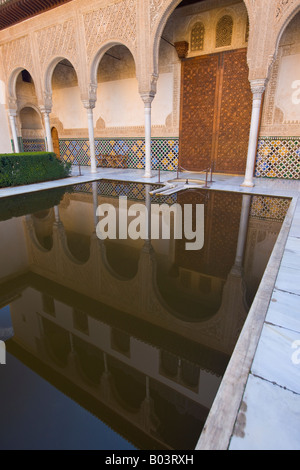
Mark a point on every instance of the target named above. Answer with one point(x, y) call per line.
point(258, 403)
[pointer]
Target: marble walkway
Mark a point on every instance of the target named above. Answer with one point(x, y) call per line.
point(258, 404)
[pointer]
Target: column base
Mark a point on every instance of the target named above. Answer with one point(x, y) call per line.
point(148, 175)
point(247, 184)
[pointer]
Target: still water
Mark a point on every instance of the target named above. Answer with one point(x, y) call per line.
point(121, 344)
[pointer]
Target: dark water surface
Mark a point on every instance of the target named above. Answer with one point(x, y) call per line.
point(121, 344)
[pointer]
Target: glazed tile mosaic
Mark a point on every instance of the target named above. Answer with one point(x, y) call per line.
point(164, 151)
point(270, 208)
point(278, 157)
point(34, 145)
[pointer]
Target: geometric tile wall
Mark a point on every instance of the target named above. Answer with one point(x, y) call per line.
point(164, 151)
point(34, 145)
point(278, 157)
point(269, 208)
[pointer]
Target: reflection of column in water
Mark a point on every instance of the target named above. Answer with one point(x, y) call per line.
point(56, 214)
point(243, 230)
point(95, 201)
point(148, 207)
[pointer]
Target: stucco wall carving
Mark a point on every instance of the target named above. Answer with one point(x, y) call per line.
point(17, 53)
point(57, 40)
point(281, 7)
point(115, 22)
point(280, 116)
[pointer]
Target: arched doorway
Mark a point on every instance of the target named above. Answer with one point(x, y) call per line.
point(215, 95)
point(55, 141)
point(118, 106)
point(32, 131)
point(30, 124)
point(279, 143)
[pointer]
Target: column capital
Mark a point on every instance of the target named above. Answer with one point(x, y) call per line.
point(45, 110)
point(47, 101)
point(12, 104)
point(147, 99)
point(12, 112)
point(258, 87)
point(89, 104)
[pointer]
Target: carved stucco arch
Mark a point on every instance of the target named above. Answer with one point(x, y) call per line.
point(159, 20)
point(11, 89)
point(285, 20)
point(35, 108)
point(48, 74)
point(93, 69)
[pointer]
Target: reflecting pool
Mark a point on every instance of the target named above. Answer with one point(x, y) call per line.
point(122, 344)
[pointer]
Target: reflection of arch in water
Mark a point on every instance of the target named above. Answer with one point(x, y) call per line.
point(189, 303)
point(78, 246)
point(43, 228)
point(122, 260)
point(89, 361)
point(57, 342)
point(128, 385)
point(141, 295)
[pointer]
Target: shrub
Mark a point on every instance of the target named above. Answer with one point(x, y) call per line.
point(26, 168)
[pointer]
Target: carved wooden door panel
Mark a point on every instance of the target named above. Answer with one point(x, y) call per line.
point(55, 141)
point(216, 103)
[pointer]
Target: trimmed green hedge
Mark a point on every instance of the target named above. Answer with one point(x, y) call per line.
point(18, 169)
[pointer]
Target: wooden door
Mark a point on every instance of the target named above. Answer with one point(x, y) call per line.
point(216, 104)
point(55, 141)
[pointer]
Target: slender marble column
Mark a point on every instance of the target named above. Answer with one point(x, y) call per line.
point(89, 109)
point(46, 114)
point(12, 120)
point(258, 87)
point(147, 99)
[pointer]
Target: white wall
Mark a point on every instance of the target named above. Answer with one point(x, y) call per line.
point(118, 104)
point(5, 140)
point(68, 108)
point(288, 88)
